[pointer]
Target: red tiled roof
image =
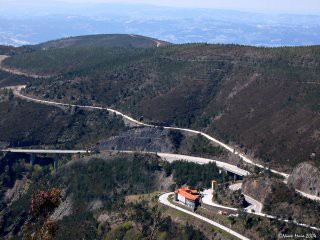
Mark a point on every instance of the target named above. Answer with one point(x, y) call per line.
point(188, 193)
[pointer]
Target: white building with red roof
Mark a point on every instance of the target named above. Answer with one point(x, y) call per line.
point(187, 196)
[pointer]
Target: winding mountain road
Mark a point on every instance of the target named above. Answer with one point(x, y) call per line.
point(254, 204)
point(17, 71)
point(17, 93)
point(164, 200)
point(229, 167)
point(169, 157)
point(257, 206)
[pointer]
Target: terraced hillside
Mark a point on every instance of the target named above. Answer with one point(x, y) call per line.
point(263, 100)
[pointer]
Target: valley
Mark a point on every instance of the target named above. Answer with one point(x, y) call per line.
point(188, 113)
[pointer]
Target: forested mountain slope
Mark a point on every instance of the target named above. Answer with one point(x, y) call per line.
point(102, 194)
point(110, 40)
point(25, 124)
point(265, 100)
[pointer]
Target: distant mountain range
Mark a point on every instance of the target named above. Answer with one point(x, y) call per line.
point(32, 24)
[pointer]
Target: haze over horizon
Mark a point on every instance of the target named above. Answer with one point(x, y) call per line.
point(248, 22)
point(270, 6)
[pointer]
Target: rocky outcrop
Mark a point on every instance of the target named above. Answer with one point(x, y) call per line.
point(306, 177)
point(20, 187)
point(95, 205)
point(64, 209)
point(139, 139)
point(258, 188)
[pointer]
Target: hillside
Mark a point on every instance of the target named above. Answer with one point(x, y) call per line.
point(280, 200)
point(263, 100)
point(106, 40)
point(102, 194)
point(112, 197)
point(25, 124)
point(9, 79)
point(10, 50)
point(306, 178)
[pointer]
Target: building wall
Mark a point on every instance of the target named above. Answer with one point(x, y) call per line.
point(181, 198)
point(190, 203)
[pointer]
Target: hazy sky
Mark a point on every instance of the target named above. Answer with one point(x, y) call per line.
point(285, 6)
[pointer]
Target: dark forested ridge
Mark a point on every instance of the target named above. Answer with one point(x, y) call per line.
point(264, 100)
point(107, 40)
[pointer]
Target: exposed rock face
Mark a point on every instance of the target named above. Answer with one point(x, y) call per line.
point(64, 209)
point(139, 139)
point(95, 205)
point(110, 218)
point(164, 182)
point(257, 188)
point(20, 187)
point(306, 177)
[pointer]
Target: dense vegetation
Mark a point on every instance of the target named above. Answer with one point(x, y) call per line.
point(10, 172)
point(262, 228)
point(10, 50)
point(92, 59)
point(286, 203)
point(223, 195)
point(194, 145)
point(27, 124)
point(108, 40)
point(9, 79)
point(257, 98)
point(112, 179)
point(96, 187)
point(264, 101)
point(193, 174)
point(201, 146)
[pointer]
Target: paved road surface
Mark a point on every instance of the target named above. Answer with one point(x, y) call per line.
point(229, 167)
point(164, 200)
point(170, 157)
point(310, 196)
point(236, 186)
point(17, 92)
point(165, 156)
point(246, 159)
point(254, 204)
point(16, 71)
point(207, 199)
